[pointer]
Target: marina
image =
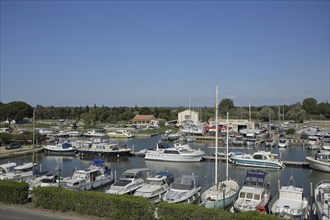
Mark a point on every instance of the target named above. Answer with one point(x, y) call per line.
point(293, 157)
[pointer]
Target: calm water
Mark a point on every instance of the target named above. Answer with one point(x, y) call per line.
point(205, 169)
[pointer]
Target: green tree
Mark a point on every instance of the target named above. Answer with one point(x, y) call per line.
point(310, 105)
point(89, 118)
point(296, 113)
point(266, 113)
point(15, 111)
point(145, 111)
point(324, 109)
point(226, 105)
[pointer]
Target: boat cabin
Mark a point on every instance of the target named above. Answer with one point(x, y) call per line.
point(323, 156)
point(81, 177)
point(291, 192)
point(7, 168)
point(160, 178)
point(252, 194)
point(28, 167)
point(185, 182)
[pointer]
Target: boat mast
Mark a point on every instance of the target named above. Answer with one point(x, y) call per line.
point(249, 112)
point(227, 146)
point(270, 127)
point(216, 138)
point(33, 135)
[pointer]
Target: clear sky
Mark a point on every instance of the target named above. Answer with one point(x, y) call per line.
point(161, 53)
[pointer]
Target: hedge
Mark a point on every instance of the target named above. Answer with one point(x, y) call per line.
point(114, 206)
point(93, 203)
point(13, 192)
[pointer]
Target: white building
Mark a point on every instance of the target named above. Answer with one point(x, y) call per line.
point(236, 125)
point(187, 116)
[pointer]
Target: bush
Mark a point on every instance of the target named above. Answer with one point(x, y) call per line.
point(13, 192)
point(93, 203)
point(191, 211)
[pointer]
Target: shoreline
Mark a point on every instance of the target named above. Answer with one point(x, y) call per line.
point(24, 150)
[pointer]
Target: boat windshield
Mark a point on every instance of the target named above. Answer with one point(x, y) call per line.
point(127, 176)
point(250, 196)
point(155, 182)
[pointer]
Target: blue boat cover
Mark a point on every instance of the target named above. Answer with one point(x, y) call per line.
point(99, 162)
point(255, 178)
point(66, 145)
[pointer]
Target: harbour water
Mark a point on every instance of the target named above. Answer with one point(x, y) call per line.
point(303, 177)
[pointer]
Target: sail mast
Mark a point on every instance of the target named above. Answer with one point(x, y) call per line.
point(216, 138)
point(249, 112)
point(227, 146)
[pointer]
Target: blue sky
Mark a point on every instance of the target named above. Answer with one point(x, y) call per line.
point(161, 53)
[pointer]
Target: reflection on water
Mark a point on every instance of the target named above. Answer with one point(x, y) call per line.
point(174, 167)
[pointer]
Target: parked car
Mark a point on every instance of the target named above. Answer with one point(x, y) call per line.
point(12, 145)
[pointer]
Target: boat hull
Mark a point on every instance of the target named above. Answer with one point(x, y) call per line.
point(318, 165)
point(90, 186)
point(61, 152)
point(121, 153)
point(221, 203)
point(322, 209)
point(173, 158)
point(252, 163)
point(215, 197)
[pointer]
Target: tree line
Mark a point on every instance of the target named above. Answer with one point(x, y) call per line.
point(308, 109)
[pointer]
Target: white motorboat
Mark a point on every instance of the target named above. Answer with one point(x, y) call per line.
point(120, 134)
point(313, 143)
point(178, 153)
point(290, 202)
point(95, 176)
point(95, 133)
point(74, 133)
point(105, 150)
point(258, 159)
point(44, 181)
point(251, 139)
point(155, 186)
point(326, 142)
point(60, 148)
point(270, 142)
point(283, 143)
point(7, 168)
point(255, 193)
point(129, 181)
point(222, 194)
point(193, 129)
point(321, 161)
point(238, 140)
point(22, 173)
point(322, 200)
point(174, 136)
point(184, 189)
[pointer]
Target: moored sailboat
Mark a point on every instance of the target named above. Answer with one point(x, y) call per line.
point(222, 194)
